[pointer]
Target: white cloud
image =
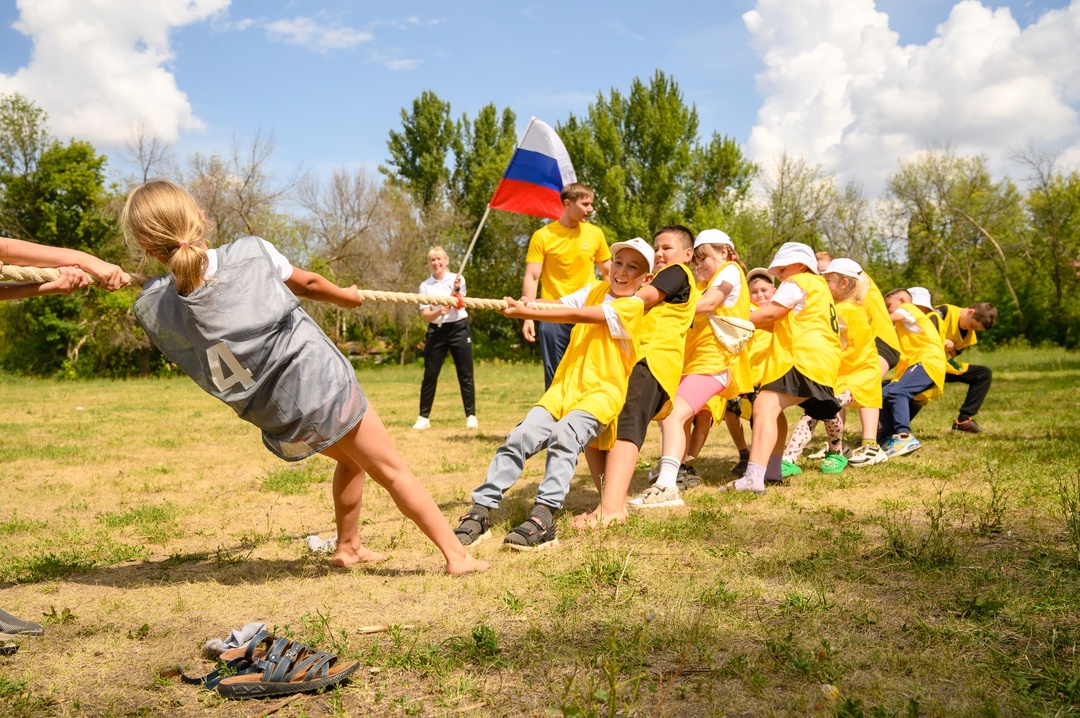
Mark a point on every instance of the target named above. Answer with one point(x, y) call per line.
point(841, 91)
point(100, 67)
point(317, 36)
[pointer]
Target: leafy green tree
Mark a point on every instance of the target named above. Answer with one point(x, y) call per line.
point(495, 268)
point(964, 229)
point(419, 154)
point(641, 153)
point(1053, 240)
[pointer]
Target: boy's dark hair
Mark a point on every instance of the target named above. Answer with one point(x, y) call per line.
point(575, 191)
point(683, 233)
point(985, 314)
point(898, 291)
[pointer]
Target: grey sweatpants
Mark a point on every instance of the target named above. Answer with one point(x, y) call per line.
point(564, 439)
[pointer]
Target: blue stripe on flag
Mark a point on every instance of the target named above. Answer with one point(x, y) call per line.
point(534, 168)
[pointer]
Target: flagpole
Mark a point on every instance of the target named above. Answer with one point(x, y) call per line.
point(487, 211)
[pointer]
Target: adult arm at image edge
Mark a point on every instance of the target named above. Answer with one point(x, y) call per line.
point(529, 288)
point(17, 251)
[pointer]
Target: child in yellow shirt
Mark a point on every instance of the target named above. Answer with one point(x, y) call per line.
point(803, 360)
point(859, 381)
point(919, 377)
point(586, 394)
point(708, 369)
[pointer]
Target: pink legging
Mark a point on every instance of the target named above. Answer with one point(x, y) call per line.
point(697, 389)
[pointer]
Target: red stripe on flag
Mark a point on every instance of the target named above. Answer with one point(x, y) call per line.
point(527, 198)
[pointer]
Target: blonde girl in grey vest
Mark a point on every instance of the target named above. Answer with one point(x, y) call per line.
point(229, 318)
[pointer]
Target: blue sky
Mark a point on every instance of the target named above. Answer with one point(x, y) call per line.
point(852, 85)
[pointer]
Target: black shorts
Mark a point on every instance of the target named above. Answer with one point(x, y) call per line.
point(644, 400)
point(819, 400)
point(886, 352)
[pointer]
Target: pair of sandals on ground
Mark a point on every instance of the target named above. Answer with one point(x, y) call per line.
point(269, 666)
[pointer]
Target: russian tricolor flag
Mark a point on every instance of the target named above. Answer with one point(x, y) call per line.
point(537, 172)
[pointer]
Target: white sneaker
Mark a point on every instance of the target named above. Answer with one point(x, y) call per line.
point(819, 455)
point(422, 422)
point(655, 497)
point(471, 423)
point(867, 455)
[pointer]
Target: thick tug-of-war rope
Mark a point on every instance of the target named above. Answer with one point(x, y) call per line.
point(11, 273)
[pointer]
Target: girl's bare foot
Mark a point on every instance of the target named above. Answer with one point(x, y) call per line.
point(458, 567)
point(591, 519)
point(346, 556)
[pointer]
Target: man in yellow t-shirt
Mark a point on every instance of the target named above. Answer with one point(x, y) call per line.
point(559, 262)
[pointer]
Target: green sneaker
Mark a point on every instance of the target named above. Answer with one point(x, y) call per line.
point(789, 468)
point(833, 463)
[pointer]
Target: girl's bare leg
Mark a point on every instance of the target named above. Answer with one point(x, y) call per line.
point(348, 494)
point(869, 419)
point(700, 433)
point(368, 445)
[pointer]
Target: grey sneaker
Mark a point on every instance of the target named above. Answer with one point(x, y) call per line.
point(18, 627)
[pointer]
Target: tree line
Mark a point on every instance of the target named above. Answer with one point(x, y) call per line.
point(943, 222)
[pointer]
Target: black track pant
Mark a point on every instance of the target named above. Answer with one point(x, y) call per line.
point(453, 337)
point(978, 380)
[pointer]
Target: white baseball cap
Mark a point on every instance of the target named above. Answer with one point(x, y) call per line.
point(759, 273)
point(847, 267)
point(920, 297)
point(713, 236)
point(794, 253)
point(640, 246)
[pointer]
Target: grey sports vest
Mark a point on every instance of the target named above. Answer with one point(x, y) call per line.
point(244, 339)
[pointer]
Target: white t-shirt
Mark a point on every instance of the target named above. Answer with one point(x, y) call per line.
point(615, 326)
point(282, 265)
point(908, 321)
point(444, 288)
point(729, 274)
point(790, 295)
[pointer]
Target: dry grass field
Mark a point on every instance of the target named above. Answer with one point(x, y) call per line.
point(141, 518)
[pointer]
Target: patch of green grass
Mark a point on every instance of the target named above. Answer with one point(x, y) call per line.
point(296, 478)
point(15, 525)
point(48, 563)
point(157, 523)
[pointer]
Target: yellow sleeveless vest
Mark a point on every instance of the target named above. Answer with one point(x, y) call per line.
point(663, 340)
point(860, 371)
point(808, 341)
point(924, 347)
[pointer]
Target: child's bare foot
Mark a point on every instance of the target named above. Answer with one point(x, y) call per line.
point(458, 567)
point(592, 519)
point(345, 556)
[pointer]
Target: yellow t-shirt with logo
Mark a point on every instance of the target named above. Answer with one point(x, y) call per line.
point(922, 347)
point(567, 257)
point(593, 373)
point(808, 340)
point(705, 355)
point(860, 370)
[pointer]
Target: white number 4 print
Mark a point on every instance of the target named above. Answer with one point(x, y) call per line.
point(219, 354)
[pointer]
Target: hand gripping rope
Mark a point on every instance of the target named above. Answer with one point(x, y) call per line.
point(12, 273)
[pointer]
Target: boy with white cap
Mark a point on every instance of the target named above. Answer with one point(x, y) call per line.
point(919, 376)
point(586, 394)
point(670, 300)
point(708, 370)
point(803, 360)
